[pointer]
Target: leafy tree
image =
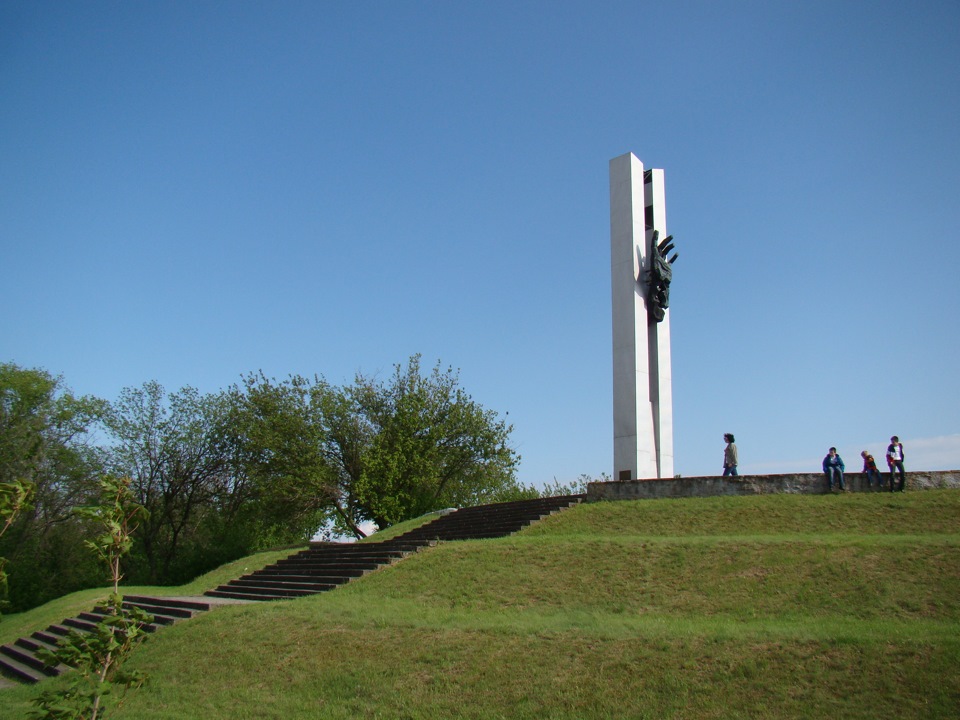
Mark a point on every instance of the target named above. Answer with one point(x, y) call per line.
point(47, 465)
point(375, 451)
point(433, 446)
point(178, 451)
point(303, 445)
point(43, 428)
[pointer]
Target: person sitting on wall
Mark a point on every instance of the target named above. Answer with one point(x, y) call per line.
point(730, 459)
point(870, 469)
point(833, 467)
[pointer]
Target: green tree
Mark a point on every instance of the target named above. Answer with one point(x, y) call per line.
point(433, 446)
point(303, 445)
point(374, 451)
point(179, 452)
point(48, 464)
point(43, 427)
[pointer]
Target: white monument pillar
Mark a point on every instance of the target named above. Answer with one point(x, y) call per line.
point(642, 394)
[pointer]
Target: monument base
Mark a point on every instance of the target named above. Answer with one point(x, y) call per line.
point(798, 483)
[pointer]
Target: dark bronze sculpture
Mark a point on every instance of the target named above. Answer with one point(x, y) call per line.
point(659, 276)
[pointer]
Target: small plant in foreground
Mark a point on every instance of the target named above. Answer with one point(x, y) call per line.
point(98, 655)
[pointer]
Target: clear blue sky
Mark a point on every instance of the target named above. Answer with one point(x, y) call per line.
point(190, 191)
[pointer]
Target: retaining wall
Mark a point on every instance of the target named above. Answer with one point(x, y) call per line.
point(801, 483)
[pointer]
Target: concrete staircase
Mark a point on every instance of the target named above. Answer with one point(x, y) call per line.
point(18, 660)
point(324, 566)
point(489, 521)
point(321, 567)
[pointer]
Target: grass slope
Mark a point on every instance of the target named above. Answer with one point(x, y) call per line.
point(754, 607)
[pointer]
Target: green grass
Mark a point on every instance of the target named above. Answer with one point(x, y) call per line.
point(754, 607)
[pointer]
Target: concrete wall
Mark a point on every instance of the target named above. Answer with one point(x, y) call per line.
point(805, 483)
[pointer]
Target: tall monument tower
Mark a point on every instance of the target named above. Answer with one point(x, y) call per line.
point(640, 275)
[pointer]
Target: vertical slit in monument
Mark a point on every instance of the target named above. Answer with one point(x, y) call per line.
point(653, 354)
point(648, 202)
point(653, 336)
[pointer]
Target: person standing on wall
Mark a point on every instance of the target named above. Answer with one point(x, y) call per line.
point(833, 468)
point(895, 462)
point(730, 459)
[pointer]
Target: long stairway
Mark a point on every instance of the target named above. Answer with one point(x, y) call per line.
point(19, 660)
point(489, 521)
point(321, 567)
point(324, 566)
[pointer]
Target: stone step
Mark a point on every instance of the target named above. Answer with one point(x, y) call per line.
point(472, 514)
point(79, 624)
point(405, 546)
point(532, 502)
point(287, 585)
point(95, 616)
point(196, 605)
point(256, 590)
point(237, 595)
point(46, 637)
point(328, 579)
point(307, 570)
point(494, 512)
point(348, 549)
point(370, 553)
point(360, 548)
point(33, 643)
point(158, 617)
point(161, 611)
point(87, 621)
point(17, 670)
point(503, 528)
point(60, 630)
point(474, 520)
point(368, 562)
point(25, 656)
point(480, 528)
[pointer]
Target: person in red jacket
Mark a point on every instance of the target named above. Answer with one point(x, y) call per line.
point(870, 470)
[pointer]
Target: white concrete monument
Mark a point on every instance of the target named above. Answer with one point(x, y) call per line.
point(640, 275)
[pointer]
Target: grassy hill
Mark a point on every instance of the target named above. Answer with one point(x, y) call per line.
point(748, 607)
